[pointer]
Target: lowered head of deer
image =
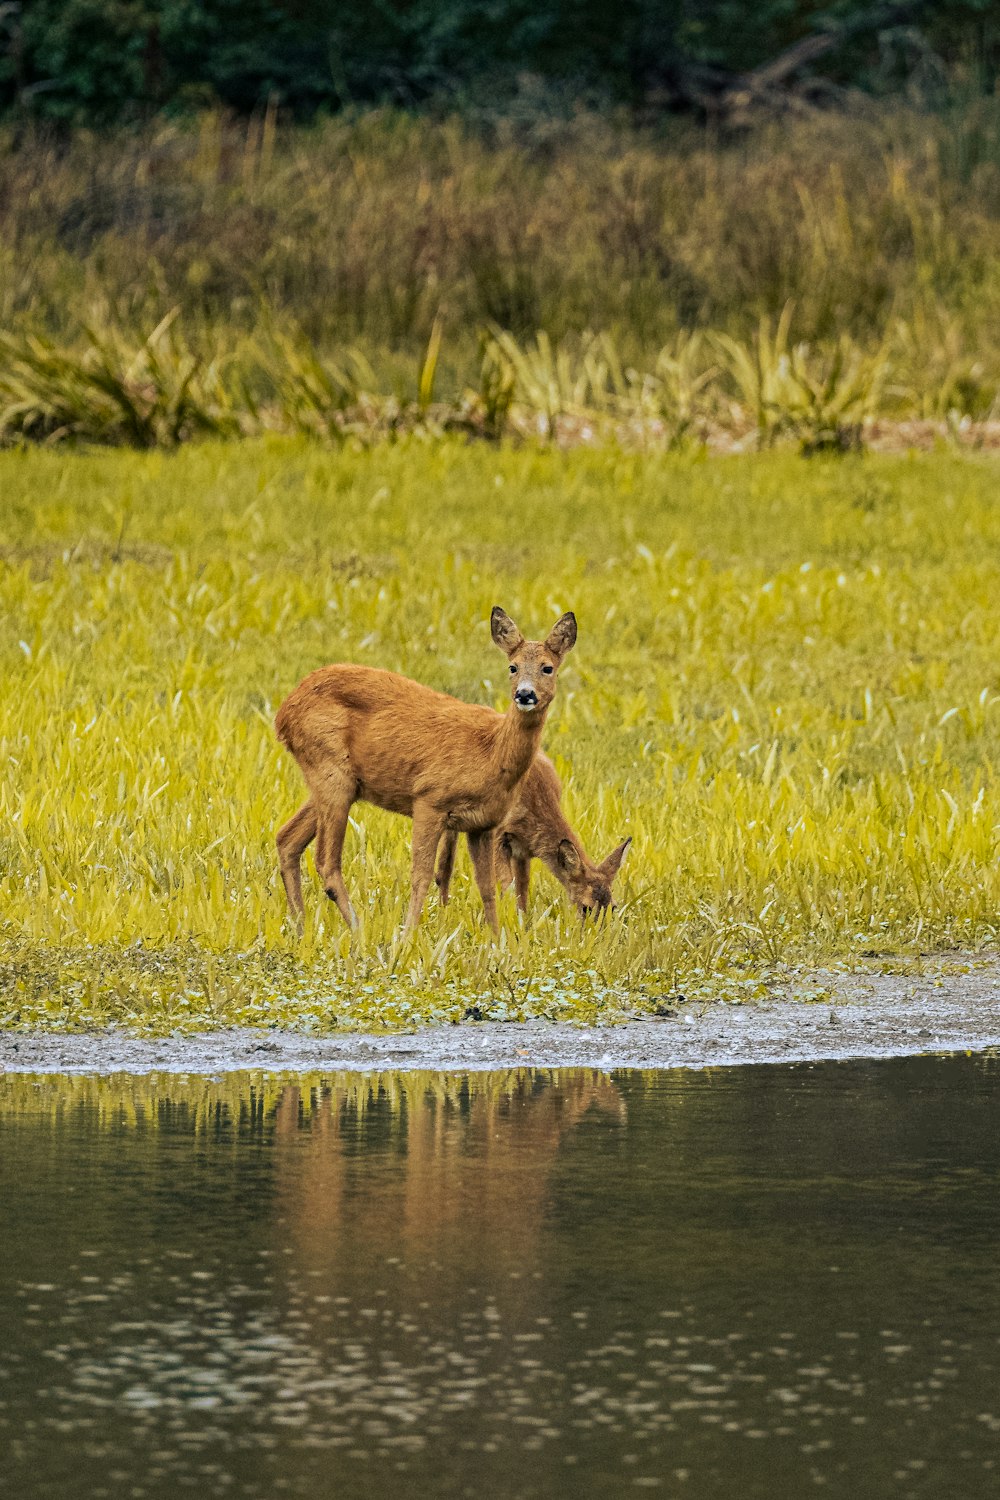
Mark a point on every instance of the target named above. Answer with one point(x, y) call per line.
point(533, 664)
point(587, 884)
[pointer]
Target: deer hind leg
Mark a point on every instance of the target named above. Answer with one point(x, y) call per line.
point(332, 814)
point(513, 866)
point(522, 877)
point(445, 863)
point(481, 848)
point(428, 826)
point(293, 838)
point(503, 860)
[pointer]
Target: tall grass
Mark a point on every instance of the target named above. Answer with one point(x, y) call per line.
point(381, 272)
point(785, 689)
point(369, 232)
point(366, 227)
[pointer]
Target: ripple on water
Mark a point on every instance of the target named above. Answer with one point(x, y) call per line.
point(496, 1290)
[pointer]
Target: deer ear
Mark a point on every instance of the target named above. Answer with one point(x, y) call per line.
point(562, 636)
point(612, 864)
point(504, 632)
point(568, 858)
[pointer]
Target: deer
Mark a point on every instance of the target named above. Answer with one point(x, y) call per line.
point(365, 734)
point(534, 828)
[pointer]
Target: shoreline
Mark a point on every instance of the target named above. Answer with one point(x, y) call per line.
point(860, 1016)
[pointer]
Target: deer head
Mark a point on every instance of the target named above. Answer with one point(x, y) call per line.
point(533, 664)
point(589, 885)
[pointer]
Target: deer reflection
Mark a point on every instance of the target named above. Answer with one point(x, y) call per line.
point(403, 1166)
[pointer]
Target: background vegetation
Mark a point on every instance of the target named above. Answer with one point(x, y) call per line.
point(786, 689)
point(359, 272)
point(690, 221)
point(97, 60)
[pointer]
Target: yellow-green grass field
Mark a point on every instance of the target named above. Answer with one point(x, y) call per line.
point(786, 688)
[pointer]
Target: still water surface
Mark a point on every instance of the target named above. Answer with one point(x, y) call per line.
point(749, 1282)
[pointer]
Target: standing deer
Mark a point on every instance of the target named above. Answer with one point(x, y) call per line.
point(534, 828)
point(361, 733)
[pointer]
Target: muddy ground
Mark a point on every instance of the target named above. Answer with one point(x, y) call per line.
point(884, 1015)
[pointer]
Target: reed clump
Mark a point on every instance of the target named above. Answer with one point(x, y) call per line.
point(114, 389)
point(154, 392)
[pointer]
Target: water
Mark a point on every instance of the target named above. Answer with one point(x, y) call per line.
point(749, 1282)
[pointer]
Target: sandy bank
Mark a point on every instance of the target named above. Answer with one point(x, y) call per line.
point(886, 1015)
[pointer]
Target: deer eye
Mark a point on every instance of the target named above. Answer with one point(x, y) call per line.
point(512, 667)
point(547, 671)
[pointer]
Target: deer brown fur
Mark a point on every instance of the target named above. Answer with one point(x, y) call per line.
point(364, 734)
point(535, 828)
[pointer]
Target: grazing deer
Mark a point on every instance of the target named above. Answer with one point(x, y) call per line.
point(534, 828)
point(361, 733)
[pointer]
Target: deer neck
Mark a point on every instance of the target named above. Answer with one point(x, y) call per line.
point(518, 739)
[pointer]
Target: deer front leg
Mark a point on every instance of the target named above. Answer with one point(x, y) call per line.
point(481, 849)
point(293, 838)
point(445, 863)
point(428, 825)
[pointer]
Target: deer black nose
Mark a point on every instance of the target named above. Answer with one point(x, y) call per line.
point(525, 697)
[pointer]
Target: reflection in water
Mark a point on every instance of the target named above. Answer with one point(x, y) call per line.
point(759, 1282)
point(486, 1144)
